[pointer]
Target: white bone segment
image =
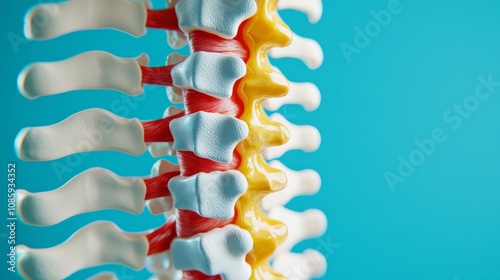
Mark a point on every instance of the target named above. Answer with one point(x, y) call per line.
point(303, 137)
point(96, 244)
point(47, 21)
point(304, 266)
point(90, 70)
point(208, 135)
point(211, 73)
point(161, 265)
point(301, 226)
point(104, 276)
point(305, 94)
point(93, 190)
point(175, 39)
point(299, 183)
point(218, 252)
point(305, 49)
point(211, 195)
point(313, 8)
point(161, 204)
point(174, 94)
point(219, 17)
point(158, 149)
point(89, 130)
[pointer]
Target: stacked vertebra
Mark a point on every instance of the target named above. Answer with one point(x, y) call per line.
point(215, 227)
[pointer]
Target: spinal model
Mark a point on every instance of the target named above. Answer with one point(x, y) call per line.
point(215, 201)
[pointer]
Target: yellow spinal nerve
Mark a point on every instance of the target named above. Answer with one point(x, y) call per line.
point(261, 32)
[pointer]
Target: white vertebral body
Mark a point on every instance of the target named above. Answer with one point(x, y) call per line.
point(52, 20)
point(304, 137)
point(89, 130)
point(218, 252)
point(211, 195)
point(93, 190)
point(211, 73)
point(208, 135)
point(220, 17)
point(96, 244)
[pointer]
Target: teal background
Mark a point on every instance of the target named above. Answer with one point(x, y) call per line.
point(441, 223)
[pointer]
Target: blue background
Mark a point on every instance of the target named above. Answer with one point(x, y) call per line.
point(442, 222)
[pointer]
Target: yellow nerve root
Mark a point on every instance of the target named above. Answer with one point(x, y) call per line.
point(262, 32)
